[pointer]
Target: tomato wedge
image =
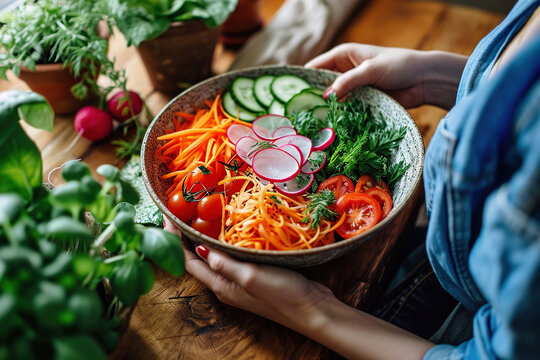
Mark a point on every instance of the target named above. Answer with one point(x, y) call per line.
point(339, 185)
point(383, 198)
point(361, 211)
point(367, 181)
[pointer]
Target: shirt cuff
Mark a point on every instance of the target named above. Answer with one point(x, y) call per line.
point(439, 352)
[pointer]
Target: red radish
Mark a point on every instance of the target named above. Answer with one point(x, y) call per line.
point(245, 148)
point(302, 142)
point(118, 105)
point(315, 162)
point(275, 165)
point(299, 185)
point(265, 125)
point(294, 151)
point(324, 139)
point(93, 123)
point(237, 131)
point(283, 131)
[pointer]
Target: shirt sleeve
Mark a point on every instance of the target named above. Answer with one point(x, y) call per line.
point(505, 259)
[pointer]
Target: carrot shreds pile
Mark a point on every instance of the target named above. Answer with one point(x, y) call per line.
point(198, 139)
point(261, 218)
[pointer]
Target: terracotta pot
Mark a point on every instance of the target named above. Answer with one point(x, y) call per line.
point(243, 22)
point(180, 57)
point(54, 82)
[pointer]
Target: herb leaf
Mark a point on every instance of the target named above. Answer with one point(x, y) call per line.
point(317, 209)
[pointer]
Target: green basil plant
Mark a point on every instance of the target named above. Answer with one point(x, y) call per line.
point(141, 20)
point(54, 265)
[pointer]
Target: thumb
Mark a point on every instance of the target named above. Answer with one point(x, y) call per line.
point(231, 269)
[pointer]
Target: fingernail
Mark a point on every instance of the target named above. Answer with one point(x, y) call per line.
point(202, 251)
point(328, 91)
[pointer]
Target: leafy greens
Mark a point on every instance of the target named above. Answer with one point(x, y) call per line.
point(363, 144)
point(141, 20)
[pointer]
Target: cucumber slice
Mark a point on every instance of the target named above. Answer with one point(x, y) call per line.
point(233, 109)
point(242, 93)
point(276, 108)
point(303, 101)
point(315, 91)
point(261, 90)
point(320, 112)
point(284, 87)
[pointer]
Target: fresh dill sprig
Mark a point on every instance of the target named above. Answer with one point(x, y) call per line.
point(395, 172)
point(364, 143)
point(306, 124)
point(317, 208)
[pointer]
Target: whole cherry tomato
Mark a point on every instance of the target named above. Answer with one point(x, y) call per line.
point(182, 209)
point(361, 211)
point(200, 180)
point(210, 207)
point(211, 228)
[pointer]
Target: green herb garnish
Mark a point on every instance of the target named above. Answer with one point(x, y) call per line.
point(317, 209)
point(307, 125)
point(363, 144)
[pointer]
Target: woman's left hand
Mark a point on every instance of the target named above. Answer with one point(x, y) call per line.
point(278, 294)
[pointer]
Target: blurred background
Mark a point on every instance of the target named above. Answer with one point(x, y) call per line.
point(500, 6)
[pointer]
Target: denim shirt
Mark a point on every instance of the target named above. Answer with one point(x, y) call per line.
point(482, 183)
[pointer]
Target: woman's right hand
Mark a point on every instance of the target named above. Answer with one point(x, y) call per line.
point(412, 77)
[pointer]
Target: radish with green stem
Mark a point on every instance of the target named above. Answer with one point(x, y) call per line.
point(122, 108)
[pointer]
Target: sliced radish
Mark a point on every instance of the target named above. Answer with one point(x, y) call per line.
point(265, 125)
point(314, 163)
point(237, 131)
point(324, 139)
point(283, 131)
point(294, 151)
point(246, 147)
point(299, 185)
point(303, 143)
point(275, 165)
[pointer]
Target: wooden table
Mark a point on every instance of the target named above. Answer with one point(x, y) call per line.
point(179, 318)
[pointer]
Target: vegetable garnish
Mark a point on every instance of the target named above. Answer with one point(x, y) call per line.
point(319, 208)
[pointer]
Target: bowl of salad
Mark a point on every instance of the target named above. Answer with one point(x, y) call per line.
point(259, 164)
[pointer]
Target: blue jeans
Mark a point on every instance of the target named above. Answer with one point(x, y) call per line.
point(415, 301)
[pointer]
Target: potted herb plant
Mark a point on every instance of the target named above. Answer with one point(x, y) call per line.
point(175, 39)
point(58, 47)
point(53, 275)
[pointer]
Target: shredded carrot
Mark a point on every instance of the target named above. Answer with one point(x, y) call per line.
point(261, 218)
point(197, 139)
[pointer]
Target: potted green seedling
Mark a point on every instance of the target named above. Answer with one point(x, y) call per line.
point(175, 39)
point(72, 261)
point(58, 48)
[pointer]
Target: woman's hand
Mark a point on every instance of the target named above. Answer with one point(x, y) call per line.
point(412, 77)
point(278, 294)
point(305, 306)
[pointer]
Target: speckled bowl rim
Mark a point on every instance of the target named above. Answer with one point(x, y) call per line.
point(356, 240)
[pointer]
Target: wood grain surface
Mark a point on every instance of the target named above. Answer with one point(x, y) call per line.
point(180, 318)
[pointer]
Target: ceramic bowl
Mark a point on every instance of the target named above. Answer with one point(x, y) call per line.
point(411, 150)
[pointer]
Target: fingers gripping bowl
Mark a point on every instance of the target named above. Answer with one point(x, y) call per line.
point(410, 150)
